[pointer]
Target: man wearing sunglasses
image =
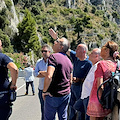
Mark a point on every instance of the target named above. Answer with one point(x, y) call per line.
point(40, 72)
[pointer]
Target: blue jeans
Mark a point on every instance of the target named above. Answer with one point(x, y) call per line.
point(27, 86)
point(85, 103)
point(42, 103)
point(56, 104)
point(76, 89)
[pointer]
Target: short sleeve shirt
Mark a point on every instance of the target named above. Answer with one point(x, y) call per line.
point(60, 84)
point(4, 60)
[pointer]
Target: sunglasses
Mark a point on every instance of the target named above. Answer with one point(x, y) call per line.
point(43, 51)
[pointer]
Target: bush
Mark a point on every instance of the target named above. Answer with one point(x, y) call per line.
point(100, 36)
point(18, 58)
point(8, 4)
point(105, 24)
point(35, 10)
point(93, 9)
point(65, 11)
point(86, 9)
point(99, 12)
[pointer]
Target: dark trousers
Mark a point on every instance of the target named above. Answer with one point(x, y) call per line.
point(76, 89)
point(5, 112)
point(85, 103)
point(27, 86)
point(42, 103)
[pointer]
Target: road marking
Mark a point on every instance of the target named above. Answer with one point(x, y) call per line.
point(20, 87)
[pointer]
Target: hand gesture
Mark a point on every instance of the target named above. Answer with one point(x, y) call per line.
point(53, 33)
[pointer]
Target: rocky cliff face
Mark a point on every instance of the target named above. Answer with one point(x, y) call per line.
point(2, 4)
point(13, 20)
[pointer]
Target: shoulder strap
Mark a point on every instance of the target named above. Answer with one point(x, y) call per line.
point(118, 65)
point(100, 87)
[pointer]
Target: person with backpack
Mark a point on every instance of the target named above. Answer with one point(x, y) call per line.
point(103, 72)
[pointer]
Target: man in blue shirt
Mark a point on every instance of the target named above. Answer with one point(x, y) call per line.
point(80, 70)
point(40, 72)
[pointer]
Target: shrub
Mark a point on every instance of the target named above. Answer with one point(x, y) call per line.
point(105, 24)
point(93, 9)
point(8, 4)
point(100, 36)
point(18, 58)
point(99, 12)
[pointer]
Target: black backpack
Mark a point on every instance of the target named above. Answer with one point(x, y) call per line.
point(109, 94)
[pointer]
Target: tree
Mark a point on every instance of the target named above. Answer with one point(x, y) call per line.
point(82, 23)
point(27, 39)
point(7, 47)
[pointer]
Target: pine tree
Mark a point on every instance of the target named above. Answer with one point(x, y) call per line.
point(27, 39)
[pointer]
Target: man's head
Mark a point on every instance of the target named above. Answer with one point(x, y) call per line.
point(28, 65)
point(81, 51)
point(0, 45)
point(61, 45)
point(46, 50)
point(94, 56)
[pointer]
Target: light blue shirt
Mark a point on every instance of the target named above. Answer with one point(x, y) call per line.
point(41, 65)
point(28, 74)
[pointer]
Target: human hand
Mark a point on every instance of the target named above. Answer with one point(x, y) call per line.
point(116, 53)
point(53, 33)
point(44, 94)
point(13, 87)
point(75, 79)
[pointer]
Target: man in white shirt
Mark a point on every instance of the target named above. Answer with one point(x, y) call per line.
point(40, 72)
point(94, 57)
point(29, 78)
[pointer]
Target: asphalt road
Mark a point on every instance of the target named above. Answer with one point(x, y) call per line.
point(26, 107)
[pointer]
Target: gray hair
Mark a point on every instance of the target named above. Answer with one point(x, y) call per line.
point(48, 47)
point(65, 44)
point(98, 50)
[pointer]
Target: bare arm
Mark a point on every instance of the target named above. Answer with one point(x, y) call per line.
point(99, 82)
point(68, 52)
point(48, 79)
point(14, 74)
point(53, 33)
point(71, 78)
point(54, 36)
point(42, 74)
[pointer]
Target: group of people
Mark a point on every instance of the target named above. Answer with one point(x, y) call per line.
point(68, 88)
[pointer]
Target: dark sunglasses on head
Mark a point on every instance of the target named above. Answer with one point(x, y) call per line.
point(43, 51)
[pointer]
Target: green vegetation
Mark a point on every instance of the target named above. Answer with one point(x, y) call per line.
point(27, 38)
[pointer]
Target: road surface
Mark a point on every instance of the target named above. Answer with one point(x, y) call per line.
point(26, 107)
